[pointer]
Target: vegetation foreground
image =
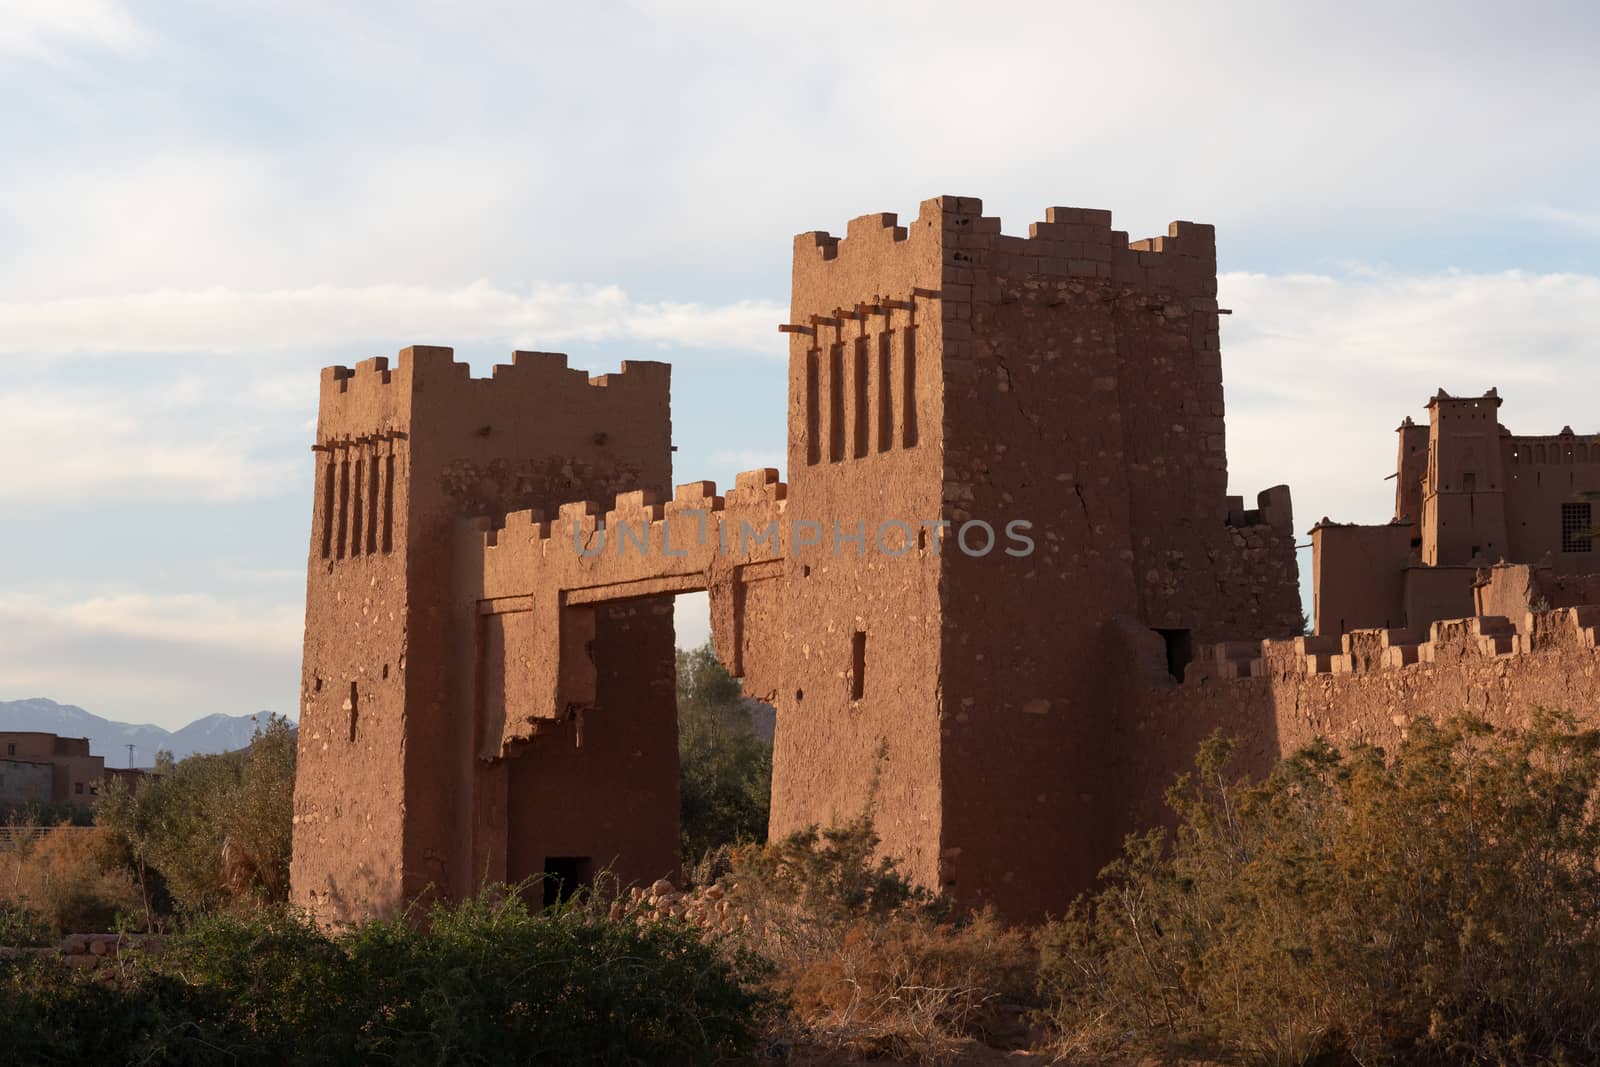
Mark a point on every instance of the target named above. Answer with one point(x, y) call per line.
point(1433, 905)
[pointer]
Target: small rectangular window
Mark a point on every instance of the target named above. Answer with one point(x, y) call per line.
point(1577, 527)
point(858, 665)
point(77, 787)
point(1180, 650)
point(1469, 482)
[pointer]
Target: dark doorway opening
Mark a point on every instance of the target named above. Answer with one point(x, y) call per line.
point(564, 876)
point(1180, 651)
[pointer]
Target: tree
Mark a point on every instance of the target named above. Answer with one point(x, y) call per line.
point(214, 828)
point(725, 769)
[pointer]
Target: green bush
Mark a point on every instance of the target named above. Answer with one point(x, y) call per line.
point(483, 982)
point(22, 926)
point(1439, 906)
point(725, 783)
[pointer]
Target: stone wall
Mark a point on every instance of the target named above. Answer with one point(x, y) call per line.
point(90, 951)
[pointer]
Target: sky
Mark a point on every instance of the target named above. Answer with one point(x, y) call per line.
point(206, 202)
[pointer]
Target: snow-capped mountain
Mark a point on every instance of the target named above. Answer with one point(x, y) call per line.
point(214, 733)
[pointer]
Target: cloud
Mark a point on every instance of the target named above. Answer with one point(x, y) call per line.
point(221, 319)
point(185, 618)
point(687, 141)
point(103, 439)
point(43, 29)
point(1319, 370)
point(144, 657)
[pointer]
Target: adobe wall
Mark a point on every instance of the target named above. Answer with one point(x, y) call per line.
point(1516, 589)
point(1358, 575)
point(1091, 406)
point(1545, 472)
point(29, 745)
point(865, 448)
point(24, 781)
point(603, 783)
point(1411, 469)
point(1464, 500)
point(384, 753)
point(1434, 593)
point(74, 775)
point(1295, 691)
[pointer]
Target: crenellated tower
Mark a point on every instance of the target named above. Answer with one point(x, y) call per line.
point(388, 781)
point(958, 380)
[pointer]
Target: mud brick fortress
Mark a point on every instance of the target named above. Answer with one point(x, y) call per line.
point(488, 680)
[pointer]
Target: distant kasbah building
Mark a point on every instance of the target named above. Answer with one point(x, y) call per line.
point(41, 768)
point(1469, 495)
point(1001, 597)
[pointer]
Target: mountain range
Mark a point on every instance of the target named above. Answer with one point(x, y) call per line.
point(214, 733)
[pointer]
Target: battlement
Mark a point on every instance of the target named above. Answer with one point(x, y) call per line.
point(640, 523)
point(952, 238)
point(377, 397)
point(1483, 637)
point(1274, 507)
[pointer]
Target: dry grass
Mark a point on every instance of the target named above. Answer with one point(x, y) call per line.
point(868, 967)
point(915, 990)
point(71, 877)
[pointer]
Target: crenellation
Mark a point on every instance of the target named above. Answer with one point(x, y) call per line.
point(1378, 651)
point(632, 507)
point(695, 496)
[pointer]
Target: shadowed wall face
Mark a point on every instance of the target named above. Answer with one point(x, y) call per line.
point(603, 787)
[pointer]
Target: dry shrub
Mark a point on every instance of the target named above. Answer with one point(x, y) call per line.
point(1433, 906)
point(869, 965)
point(72, 878)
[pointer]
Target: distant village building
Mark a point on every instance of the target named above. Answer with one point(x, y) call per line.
point(1469, 494)
point(41, 768)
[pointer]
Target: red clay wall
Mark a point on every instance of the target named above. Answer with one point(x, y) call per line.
point(382, 793)
point(833, 753)
point(613, 798)
point(1091, 406)
point(1544, 473)
point(1297, 697)
point(1358, 576)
